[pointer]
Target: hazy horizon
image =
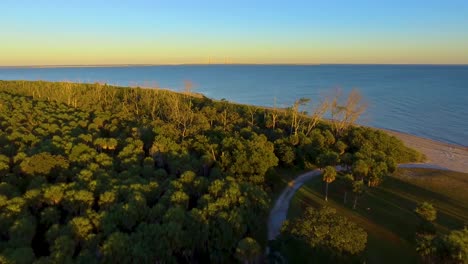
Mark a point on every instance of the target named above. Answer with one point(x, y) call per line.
point(86, 32)
point(214, 64)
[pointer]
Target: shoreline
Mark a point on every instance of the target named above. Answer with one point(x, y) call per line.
point(439, 154)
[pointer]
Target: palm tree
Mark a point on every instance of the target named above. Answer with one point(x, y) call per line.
point(329, 175)
point(358, 190)
point(347, 180)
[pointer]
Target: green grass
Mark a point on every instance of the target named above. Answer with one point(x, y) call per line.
point(387, 212)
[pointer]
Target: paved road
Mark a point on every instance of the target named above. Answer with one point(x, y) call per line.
point(279, 212)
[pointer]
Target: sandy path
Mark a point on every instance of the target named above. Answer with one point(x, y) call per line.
point(279, 211)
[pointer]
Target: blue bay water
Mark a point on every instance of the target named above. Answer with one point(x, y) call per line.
point(428, 101)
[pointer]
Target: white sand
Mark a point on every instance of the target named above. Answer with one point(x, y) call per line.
point(439, 154)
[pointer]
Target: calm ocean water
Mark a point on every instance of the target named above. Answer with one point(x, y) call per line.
point(427, 101)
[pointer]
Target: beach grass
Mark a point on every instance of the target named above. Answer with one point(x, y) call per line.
point(387, 212)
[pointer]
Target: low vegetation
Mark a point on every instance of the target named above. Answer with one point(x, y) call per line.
point(91, 173)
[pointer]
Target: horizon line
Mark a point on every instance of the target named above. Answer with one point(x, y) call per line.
point(217, 64)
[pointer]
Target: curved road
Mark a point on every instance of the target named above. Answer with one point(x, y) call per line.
point(279, 212)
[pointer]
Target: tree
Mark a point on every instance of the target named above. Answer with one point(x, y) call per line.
point(4, 164)
point(252, 110)
point(328, 158)
point(437, 248)
point(426, 248)
point(82, 154)
point(285, 152)
point(329, 175)
point(91, 173)
point(457, 244)
point(210, 113)
point(62, 249)
point(49, 216)
point(180, 198)
point(358, 190)
point(76, 202)
point(340, 146)
point(248, 159)
point(346, 113)
point(347, 180)
point(179, 109)
point(117, 248)
point(231, 209)
point(107, 199)
point(426, 237)
point(274, 114)
point(297, 115)
point(360, 169)
point(81, 227)
point(19, 255)
point(378, 171)
point(22, 231)
point(53, 194)
point(316, 116)
point(248, 250)
point(426, 212)
point(325, 229)
point(145, 249)
point(131, 156)
point(43, 164)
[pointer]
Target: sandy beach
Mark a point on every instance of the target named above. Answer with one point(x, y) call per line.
point(439, 154)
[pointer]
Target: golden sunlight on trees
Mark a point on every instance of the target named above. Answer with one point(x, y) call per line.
point(345, 112)
point(324, 229)
point(94, 173)
point(329, 176)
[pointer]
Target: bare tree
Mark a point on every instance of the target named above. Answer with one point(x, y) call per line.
point(111, 94)
point(179, 113)
point(178, 108)
point(135, 98)
point(316, 115)
point(227, 117)
point(274, 115)
point(252, 110)
point(99, 94)
point(347, 113)
point(67, 93)
point(152, 98)
point(188, 85)
point(67, 89)
point(297, 115)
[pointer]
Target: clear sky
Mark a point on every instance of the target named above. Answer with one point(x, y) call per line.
point(58, 32)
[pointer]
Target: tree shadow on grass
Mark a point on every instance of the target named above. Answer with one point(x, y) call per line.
point(452, 213)
point(392, 205)
point(386, 212)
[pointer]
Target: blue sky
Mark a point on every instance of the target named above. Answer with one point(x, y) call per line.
point(121, 32)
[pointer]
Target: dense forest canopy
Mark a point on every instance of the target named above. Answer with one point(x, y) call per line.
point(94, 173)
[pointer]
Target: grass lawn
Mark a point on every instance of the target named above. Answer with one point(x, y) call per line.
point(387, 212)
